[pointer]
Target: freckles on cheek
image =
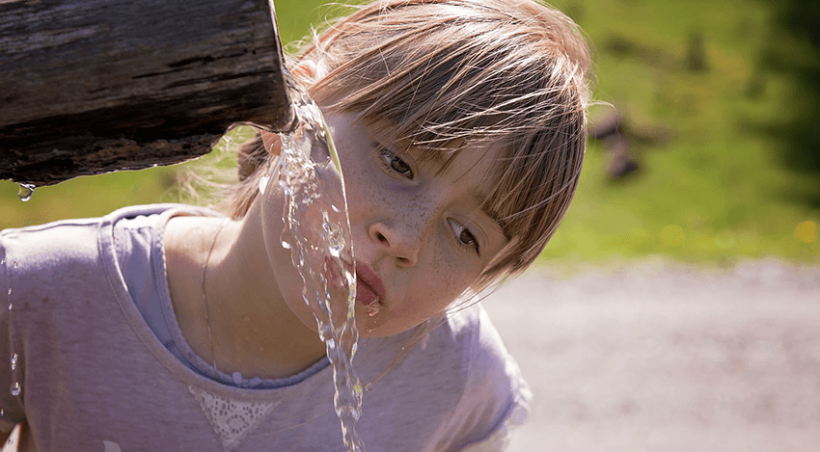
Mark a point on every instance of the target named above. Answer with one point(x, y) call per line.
point(355, 190)
point(453, 275)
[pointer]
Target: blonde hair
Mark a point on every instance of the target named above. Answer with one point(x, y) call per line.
point(451, 75)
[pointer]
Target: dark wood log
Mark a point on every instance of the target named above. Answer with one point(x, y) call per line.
point(91, 86)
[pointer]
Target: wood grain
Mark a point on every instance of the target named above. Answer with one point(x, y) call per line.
point(94, 86)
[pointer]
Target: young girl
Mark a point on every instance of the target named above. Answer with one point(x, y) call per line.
point(460, 125)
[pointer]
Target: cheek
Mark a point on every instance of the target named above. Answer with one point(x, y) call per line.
point(278, 256)
point(272, 218)
point(365, 198)
point(441, 280)
point(288, 281)
point(452, 270)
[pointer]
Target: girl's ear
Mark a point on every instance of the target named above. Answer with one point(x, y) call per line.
point(272, 142)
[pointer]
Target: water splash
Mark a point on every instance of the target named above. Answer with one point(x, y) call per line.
point(317, 233)
point(25, 191)
point(15, 389)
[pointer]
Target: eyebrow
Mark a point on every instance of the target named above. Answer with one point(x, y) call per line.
point(433, 157)
point(481, 200)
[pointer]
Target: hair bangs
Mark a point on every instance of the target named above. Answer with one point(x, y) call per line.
point(453, 76)
point(473, 78)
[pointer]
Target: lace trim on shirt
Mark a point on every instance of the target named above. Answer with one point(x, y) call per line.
point(231, 419)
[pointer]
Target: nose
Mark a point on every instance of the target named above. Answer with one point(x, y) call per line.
point(403, 241)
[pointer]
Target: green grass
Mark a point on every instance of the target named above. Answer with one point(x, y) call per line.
point(713, 186)
point(716, 188)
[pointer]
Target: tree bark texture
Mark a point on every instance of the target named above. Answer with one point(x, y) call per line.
point(92, 86)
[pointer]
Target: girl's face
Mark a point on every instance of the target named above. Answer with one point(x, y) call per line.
point(420, 237)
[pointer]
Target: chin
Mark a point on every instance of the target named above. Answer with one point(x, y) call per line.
point(381, 325)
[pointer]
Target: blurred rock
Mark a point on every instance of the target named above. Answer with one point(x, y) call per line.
point(609, 130)
point(695, 59)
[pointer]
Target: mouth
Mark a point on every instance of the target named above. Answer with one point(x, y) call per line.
point(370, 289)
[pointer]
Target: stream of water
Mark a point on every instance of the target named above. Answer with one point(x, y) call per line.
point(317, 232)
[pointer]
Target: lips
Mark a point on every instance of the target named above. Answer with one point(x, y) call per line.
point(370, 289)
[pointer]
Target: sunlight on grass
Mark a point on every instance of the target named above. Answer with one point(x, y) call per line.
point(717, 190)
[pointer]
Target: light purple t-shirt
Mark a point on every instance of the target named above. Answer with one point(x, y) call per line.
point(93, 375)
point(138, 242)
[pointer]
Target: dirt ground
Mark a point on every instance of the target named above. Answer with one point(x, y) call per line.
point(667, 357)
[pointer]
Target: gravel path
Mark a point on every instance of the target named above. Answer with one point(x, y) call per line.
point(667, 357)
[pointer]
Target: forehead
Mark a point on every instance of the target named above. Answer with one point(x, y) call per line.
point(473, 165)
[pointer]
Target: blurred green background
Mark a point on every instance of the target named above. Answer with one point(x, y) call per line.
point(720, 104)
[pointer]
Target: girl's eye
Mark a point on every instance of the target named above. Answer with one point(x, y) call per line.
point(465, 237)
point(396, 164)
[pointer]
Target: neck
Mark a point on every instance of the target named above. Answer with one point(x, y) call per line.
point(252, 329)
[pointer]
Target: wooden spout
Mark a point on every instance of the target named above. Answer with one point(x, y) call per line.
point(93, 86)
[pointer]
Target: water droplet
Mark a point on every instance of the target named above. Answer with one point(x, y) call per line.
point(2, 412)
point(374, 308)
point(14, 361)
point(24, 191)
point(263, 184)
point(335, 240)
point(15, 389)
point(9, 303)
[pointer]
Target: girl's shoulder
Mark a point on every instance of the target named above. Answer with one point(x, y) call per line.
point(470, 332)
point(457, 383)
point(51, 245)
point(70, 250)
point(494, 397)
point(72, 239)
